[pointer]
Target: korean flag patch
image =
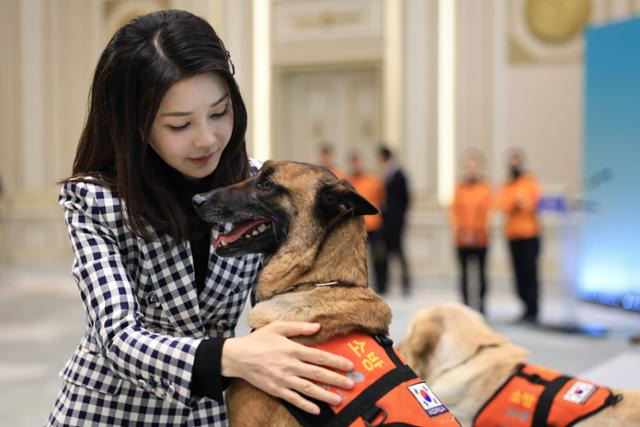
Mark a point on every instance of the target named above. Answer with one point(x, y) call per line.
point(580, 392)
point(427, 399)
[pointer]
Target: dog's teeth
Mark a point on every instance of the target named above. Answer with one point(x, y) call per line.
point(223, 243)
point(262, 227)
point(255, 233)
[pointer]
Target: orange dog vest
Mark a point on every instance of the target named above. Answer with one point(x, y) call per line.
point(386, 391)
point(539, 397)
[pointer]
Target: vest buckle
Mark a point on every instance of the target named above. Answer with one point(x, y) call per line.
point(372, 413)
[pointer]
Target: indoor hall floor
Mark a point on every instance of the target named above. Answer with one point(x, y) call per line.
point(41, 322)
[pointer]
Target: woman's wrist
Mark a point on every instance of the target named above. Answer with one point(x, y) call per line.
point(228, 358)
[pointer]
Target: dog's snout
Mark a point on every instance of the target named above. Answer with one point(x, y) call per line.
point(198, 200)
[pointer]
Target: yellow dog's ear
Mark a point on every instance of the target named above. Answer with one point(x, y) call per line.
point(342, 199)
point(424, 335)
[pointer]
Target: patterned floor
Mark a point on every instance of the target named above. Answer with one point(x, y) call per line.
point(41, 321)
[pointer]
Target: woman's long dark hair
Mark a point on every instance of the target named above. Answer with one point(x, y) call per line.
point(140, 63)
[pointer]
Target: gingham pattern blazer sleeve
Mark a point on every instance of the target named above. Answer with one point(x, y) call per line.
point(160, 363)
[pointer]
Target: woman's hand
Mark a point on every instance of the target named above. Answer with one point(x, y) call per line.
point(283, 368)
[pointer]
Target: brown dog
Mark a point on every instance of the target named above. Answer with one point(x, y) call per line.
point(309, 225)
point(466, 362)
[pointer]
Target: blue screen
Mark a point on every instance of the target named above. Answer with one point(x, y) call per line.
point(609, 255)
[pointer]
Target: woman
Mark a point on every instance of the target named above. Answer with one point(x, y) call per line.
point(166, 121)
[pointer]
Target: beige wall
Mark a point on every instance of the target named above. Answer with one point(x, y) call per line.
point(545, 117)
point(511, 90)
point(49, 50)
point(45, 78)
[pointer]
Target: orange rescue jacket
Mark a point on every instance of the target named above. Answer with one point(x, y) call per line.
point(518, 199)
point(470, 214)
point(338, 173)
point(539, 397)
point(371, 188)
point(386, 391)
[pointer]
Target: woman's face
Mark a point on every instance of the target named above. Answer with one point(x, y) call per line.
point(471, 166)
point(193, 125)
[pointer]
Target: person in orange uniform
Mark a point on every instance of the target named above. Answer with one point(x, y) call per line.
point(325, 159)
point(518, 200)
point(470, 220)
point(372, 188)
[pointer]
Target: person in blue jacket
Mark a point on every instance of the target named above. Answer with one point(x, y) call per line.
point(166, 121)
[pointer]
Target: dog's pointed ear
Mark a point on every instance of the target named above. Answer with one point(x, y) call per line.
point(342, 199)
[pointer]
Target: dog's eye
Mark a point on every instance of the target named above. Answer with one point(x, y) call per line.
point(264, 184)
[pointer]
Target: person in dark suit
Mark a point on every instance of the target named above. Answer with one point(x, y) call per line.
point(394, 211)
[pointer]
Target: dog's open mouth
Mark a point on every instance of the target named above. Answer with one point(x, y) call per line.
point(243, 232)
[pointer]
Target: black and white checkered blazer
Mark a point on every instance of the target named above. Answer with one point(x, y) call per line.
point(144, 319)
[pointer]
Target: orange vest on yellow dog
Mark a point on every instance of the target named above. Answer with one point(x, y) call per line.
point(386, 391)
point(539, 397)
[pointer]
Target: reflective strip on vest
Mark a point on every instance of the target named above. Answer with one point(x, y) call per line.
point(538, 397)
point(386, 390)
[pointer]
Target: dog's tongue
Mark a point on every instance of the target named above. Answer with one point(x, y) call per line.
point(239, 231)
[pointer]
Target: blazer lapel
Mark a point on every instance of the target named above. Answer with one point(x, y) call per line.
point(223, 276)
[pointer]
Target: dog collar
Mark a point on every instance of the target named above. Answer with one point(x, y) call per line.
point(308, 286)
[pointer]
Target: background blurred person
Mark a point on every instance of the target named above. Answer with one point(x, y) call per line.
point(470, 221)
point(325, 159)
point(394, 211)
point(518, 199)
point(372, 188)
